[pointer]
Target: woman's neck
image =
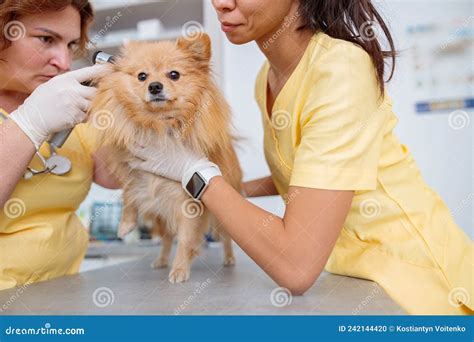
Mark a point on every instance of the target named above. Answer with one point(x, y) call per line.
point(285, 45)
point(11, 100)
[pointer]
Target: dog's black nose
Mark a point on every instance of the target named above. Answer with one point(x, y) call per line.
point(155, 88)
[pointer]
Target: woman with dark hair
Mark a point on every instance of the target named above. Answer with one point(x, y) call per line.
point(40, 235)
point(356, 203)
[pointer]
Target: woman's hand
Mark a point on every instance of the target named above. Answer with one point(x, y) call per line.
point(173, 161)
point(58, 104)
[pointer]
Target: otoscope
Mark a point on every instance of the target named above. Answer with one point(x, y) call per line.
point(57, 164)
point(59, 138)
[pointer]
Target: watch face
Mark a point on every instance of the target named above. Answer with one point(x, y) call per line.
point(195, 185)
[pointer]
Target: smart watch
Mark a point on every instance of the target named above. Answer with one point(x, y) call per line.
point(199, 181)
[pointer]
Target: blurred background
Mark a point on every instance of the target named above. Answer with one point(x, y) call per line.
point(432, 90)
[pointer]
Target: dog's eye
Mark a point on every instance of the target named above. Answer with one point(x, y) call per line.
point(142, 77)
point(174, 75)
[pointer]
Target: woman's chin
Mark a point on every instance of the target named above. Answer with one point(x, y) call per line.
point(36, 82)
point(237, 39)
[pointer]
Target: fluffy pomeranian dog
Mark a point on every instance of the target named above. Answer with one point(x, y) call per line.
point(163, 93)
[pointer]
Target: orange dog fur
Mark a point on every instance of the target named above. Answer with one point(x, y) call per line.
point(191, 111)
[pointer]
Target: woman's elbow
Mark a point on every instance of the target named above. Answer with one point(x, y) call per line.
point(298, 283)
point(111, 184)
point(298, 288)
point(107, 181)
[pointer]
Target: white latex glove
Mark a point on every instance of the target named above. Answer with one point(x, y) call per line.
point(172, 161)
point(58, 104)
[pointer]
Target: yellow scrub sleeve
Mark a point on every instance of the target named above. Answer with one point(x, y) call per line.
point(331, 129)
point(40, 235)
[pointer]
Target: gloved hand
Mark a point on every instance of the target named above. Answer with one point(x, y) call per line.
point(173, 161)
point(58, 104)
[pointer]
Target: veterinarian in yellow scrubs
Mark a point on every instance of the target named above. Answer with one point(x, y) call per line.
point(398, 232)
point(41, 237)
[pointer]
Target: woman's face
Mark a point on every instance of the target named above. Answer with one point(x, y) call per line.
point(42, 47)
point(247, 20)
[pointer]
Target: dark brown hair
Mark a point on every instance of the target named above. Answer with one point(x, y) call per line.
point(355, 21)
point(13, 9)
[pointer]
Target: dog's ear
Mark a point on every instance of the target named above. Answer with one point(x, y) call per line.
point(198, 44)
point(130, 45)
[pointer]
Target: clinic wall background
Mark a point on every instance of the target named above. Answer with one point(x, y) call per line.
point(443, 154)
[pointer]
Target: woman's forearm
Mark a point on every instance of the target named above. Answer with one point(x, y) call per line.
point(260, 187)
point(276, 247)
point(16, 152)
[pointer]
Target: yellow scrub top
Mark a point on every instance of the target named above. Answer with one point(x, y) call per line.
point(331, 129)
point(40, 235)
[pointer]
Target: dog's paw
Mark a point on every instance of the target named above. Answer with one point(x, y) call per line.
point(159, 263)
point(125, 228)
point(229, 260)
point(178, 275)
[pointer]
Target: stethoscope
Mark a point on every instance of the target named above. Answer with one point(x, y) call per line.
point(55, 163)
